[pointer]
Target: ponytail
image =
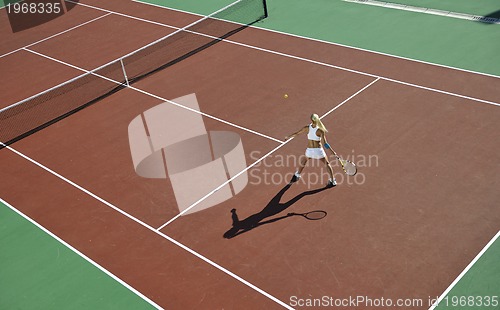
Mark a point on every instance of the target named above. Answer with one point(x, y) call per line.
point(317, 121)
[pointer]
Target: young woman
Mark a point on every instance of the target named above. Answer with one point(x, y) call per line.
point(316, 135)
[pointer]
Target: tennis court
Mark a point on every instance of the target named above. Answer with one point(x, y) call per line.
point(110, 111)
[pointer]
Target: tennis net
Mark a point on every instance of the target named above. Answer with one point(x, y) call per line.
point(39, 111)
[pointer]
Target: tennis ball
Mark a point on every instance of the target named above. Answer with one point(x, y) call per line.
point(285, 96)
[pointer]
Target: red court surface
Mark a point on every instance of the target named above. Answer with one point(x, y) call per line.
point(103, 37)
point(32, 74)
point(421, 207)
point(404, 71)
point(10, 41)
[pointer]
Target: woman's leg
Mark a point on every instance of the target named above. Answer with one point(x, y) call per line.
point(302, 164)
point(329, 168)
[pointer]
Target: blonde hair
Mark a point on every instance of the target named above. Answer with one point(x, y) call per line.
point(317, 121)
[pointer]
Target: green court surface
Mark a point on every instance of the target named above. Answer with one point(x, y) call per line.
point(43, 273)
point(5, 2)
point(482, 282)
point(476, 7)
point(39, 272)
point(441, 40)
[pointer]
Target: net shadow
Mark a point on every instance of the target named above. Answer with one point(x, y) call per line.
point(134, 65)
point(490, 19)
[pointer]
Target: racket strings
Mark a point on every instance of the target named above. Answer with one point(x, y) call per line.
point(349, 168)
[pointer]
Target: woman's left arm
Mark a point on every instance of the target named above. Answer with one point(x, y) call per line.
point(323, 139)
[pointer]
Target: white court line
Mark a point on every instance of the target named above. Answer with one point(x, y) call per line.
point(43, 92)
point(443, 92)
point(207, 115)
point(333, 43)
point(158, 230)
point(55, 35)
point(361, 72)
point(293, 57)
point(152, 95)
point(461, 275)
point(173, 33)
point(303, 59)
point(88, 259)
point(409, 85)
point(352, 96)
point(417, 85)
point(256, 162)
point(191, 251)
point(128, 16)
point(220, 186)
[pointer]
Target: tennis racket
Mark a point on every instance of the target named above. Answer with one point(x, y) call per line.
point(348, 166)
point(313, 215)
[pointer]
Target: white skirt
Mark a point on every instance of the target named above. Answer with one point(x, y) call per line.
point(316, 153)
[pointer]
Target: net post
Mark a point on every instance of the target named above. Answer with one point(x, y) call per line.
point(124, 72)
point(265, 8)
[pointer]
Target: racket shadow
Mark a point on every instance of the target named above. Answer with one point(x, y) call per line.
point(274, 207)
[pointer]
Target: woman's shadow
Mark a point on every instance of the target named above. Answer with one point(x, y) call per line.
point(272, 208)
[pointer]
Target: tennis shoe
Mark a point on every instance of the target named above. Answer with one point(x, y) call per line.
point(331, 183)
point(295, 178)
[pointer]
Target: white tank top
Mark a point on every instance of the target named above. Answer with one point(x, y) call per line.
point(311, 135)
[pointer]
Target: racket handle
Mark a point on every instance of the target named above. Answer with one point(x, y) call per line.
point(334, 154)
